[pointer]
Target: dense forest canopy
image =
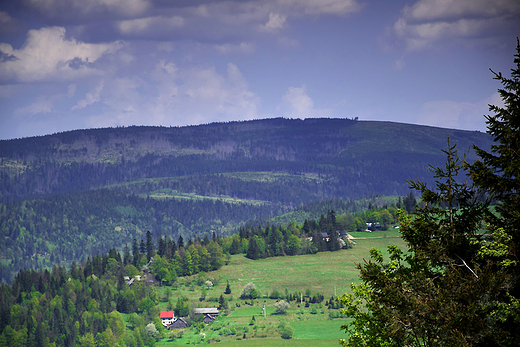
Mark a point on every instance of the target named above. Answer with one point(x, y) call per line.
point(67, 196)
point(349, 153)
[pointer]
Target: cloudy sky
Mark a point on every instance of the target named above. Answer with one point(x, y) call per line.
point(76, 64)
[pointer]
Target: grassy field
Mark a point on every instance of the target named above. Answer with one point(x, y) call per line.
point(328, 273)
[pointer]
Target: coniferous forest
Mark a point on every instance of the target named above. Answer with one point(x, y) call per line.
point(67, 196)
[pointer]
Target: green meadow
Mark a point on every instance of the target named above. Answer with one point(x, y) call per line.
point(327, 273)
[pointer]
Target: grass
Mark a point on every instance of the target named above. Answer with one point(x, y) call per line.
point(328, 273)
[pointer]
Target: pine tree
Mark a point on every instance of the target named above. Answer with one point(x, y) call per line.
point(429, 296)
point(455, 286)
point(253, 250)
point(135, 253)
point(150, 251)
point(497, 173)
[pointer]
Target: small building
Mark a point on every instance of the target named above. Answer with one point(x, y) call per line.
point(208, 318)
point(179, 323)
point(213, 311)
point(209, 313)
point(167, 318)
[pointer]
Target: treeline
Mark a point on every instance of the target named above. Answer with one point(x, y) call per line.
point(42, 232)
point(172, 259)
point(328, 233)
point(83, 306)
point(339, 176)
point(59, 229)
point(77, 308)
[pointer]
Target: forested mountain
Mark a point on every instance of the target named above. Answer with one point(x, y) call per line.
point(66, 196)
point(355, 156)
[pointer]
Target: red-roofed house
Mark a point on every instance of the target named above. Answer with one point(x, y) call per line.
point(167, 318)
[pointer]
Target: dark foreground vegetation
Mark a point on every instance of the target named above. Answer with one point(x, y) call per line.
point(458, 283)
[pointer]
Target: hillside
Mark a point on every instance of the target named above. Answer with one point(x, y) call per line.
point(66, 196)
point(351, 158)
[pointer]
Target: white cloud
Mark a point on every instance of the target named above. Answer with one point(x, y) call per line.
point(296, 103)
point(90, 98)
point(287, 42)
point(71, 90)
point(320, 7)
point(276, 21)
point(41, 106)
point(458, 115)
point(150, 24)
point(453, 9)
point(241, 48)
point(165, 46)
point(171, 95)
point(427, 22)
point(8, 25)
point(48, 55)
point(54, 8)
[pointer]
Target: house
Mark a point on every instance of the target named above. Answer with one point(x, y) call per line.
point(213, 311)
point(339, 233)
point(167, 318)
point(208, 318)
point(210, 313)
point(179, 323)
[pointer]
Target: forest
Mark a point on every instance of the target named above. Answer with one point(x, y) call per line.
point(66, 196)
point(84, 305)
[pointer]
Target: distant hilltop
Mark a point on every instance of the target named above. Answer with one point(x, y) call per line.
point(362, 157)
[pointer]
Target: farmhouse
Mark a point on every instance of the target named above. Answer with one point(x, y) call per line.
point(208, 310)
point(167, 318)
point(179, 323)
point(210, 313)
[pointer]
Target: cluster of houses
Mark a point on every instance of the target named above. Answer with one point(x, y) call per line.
point(170, 322)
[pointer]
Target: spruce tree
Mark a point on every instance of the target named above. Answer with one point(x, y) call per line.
point(253, 250)
point(497, 174)
point(150, 251)
point(455, 286)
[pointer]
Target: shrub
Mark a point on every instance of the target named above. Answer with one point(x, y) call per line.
point(287, 332)
point(281, 307)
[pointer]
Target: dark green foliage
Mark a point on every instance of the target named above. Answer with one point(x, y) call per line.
point(85, 159)
point(307, 161)
point(459, 283)
point(59, 229)
point(409, 203)
point(430, 295)
point(497, 173)
point(66, 308)
point(254, 251)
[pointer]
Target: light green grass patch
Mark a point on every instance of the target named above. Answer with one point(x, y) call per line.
point(316, 330)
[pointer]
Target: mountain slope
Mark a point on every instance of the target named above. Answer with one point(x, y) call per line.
point(366, 157)
point(66, 196)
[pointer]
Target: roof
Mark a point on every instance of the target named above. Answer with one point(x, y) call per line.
point(167, 314)
point(208, 310)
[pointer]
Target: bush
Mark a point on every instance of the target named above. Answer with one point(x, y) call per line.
point(249, 291)
point(287, 332)
point(281, 307)
point(274, 294)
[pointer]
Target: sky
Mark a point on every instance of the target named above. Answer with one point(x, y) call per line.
point(79, 64)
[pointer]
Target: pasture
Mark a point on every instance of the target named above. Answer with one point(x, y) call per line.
point(327, 273)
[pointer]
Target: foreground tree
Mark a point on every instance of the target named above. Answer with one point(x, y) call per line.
point(457, 285)
point(498, 174)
